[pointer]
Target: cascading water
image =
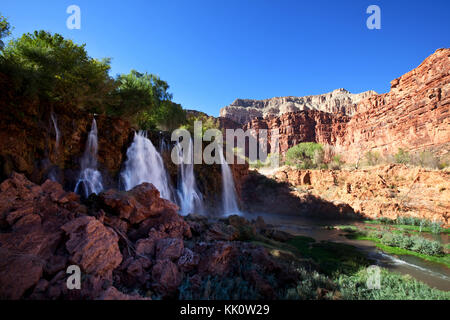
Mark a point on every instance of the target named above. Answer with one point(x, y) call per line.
point(229, 201)
point(90, 179)
point(53, 174)
point(145, 164)
point(57, 133)
point(163, 146)
point(190, 198)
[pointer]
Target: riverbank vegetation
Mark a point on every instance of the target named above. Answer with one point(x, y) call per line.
point(412, 223)
point(400, 242)
point(341, 272)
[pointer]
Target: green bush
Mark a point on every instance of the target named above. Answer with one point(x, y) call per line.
point(144, 99)
point(413, 243)
point(336, 163)
point(59, 73)
point(426, 159)
point(305, 155)
point(402, 156)
point(373, 158)
point(392, 287)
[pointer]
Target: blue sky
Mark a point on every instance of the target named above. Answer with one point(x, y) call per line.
point(212, 52)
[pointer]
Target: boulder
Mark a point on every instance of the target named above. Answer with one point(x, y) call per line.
point(92, 246)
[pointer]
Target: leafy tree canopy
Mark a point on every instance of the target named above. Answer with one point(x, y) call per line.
point(58, 70)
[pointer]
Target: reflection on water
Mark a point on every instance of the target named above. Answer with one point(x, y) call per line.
point(434, 274)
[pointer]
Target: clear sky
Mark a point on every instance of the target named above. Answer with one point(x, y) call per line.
point(212, 52)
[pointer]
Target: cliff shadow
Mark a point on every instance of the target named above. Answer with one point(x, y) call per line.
point(261, 194)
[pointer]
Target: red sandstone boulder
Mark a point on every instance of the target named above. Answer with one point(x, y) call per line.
point(169, 249)
point(218, 259)
point(166, 277)
point(92, 246)
point(32, 216)
point(138, 204)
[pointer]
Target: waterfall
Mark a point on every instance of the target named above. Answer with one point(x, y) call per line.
point(52, 175)
point(229, 201)
point(190, 198)
point(90, 179)
point(163, 146)
point(57, 133)
point(145, 164)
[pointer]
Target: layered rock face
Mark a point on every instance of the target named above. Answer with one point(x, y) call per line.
point(337, 101)
point(414, 115)
point(291, 129)
point(385, 191)
point(28, 137)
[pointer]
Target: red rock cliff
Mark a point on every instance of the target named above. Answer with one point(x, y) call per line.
point(414, 115)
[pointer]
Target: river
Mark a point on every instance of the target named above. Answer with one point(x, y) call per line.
point(434, 274)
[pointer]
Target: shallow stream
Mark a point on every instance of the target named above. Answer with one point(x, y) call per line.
point(434, 274)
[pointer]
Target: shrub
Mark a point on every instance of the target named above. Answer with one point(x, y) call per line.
point(303, 154)
point(372, 158)
point(59, 73)
point(402, 156)
point(307, 155)
point(426, 159)
point(413, 243)
point(392, 287)
point(336, 163)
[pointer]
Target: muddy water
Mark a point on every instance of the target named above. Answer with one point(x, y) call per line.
point(434, 274)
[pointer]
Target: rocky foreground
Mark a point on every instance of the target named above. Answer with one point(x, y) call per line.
point(129, 245)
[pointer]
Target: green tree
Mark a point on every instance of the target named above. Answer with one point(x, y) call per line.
point(5, 29)
point(57, 70)
point(402, 156)
point(145, 100)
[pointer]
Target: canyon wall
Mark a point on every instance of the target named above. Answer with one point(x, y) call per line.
point(302, 126)
point(414, 115)
point(337, 101)
point(387, 191)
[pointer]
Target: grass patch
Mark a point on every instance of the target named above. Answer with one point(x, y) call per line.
point(393, 286)
point(333, 258)
point(444, 259)
point(412, 224)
